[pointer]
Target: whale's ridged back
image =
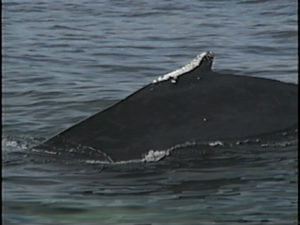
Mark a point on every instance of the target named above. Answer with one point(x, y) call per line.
point(200, 106)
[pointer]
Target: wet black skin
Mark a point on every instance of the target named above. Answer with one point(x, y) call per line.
point(201, 106)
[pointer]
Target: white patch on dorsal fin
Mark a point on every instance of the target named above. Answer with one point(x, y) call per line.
point(186, 68)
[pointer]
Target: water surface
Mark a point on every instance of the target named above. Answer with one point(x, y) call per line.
point(66, 60)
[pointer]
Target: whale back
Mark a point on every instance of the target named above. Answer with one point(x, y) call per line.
point(199, 105)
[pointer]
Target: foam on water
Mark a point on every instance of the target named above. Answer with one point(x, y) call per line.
point(9, 144)
point(284, 139)
point(157, 155)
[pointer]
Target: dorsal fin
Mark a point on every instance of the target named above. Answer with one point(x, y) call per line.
point(203, 61)
point(206, 61)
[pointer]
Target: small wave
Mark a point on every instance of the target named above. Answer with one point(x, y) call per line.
point(63, 27)
point(253, 2)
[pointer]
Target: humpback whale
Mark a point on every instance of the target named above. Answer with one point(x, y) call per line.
point(193, 104)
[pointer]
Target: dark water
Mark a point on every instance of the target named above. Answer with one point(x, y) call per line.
point(65, 60)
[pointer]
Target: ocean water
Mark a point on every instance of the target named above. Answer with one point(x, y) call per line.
point(66, 60)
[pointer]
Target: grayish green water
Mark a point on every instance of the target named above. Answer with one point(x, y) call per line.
point(65, 60)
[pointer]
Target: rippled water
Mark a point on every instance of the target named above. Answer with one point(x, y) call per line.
point(65, 60)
